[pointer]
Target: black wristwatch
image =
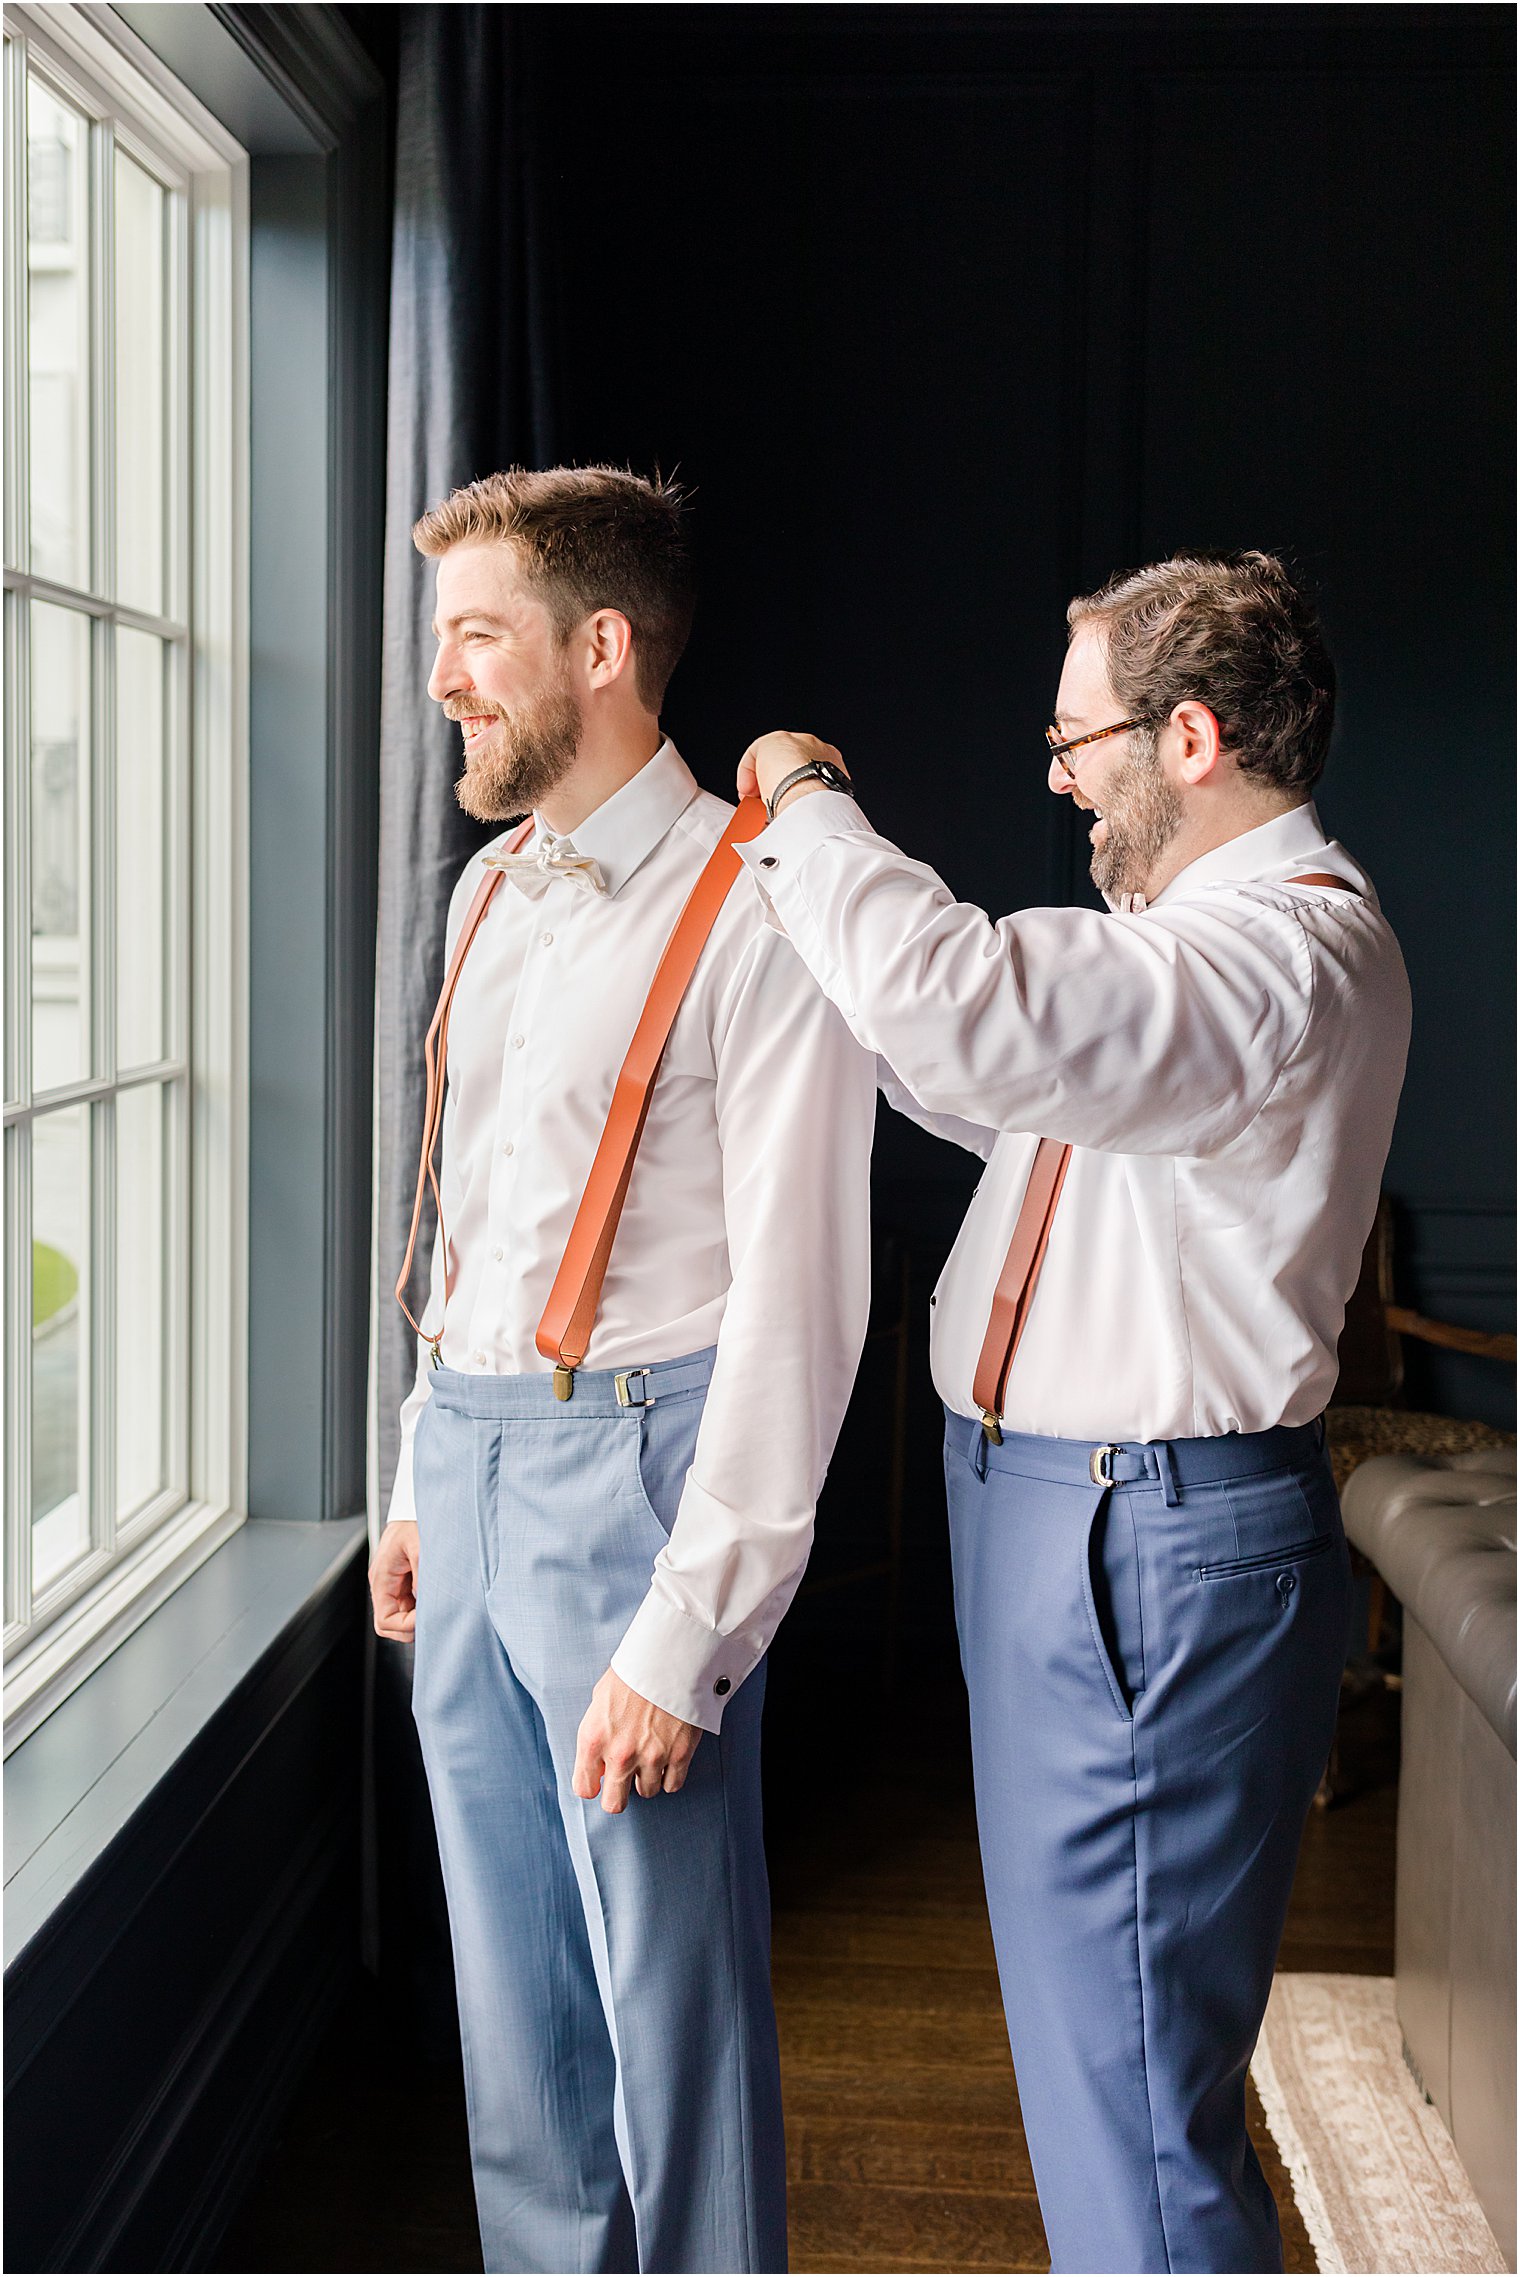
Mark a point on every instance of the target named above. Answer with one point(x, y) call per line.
point(833, 778)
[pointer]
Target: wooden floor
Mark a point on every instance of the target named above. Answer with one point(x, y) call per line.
point(905, 2147)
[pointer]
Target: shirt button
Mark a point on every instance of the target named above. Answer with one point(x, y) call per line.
point(480, 1359)
point(498, 1254)
point(722, 1686)
point(517, 1043)
point(547, 939)
point(509, 1148)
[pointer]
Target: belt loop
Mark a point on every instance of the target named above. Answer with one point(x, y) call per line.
point(1166, 1465)
point(979, 1450)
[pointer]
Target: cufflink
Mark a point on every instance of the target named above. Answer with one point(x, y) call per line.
point(722, 1686)
point(767, 861)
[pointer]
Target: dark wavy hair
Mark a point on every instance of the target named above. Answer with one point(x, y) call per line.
point(587, 538)
point(1231, 631)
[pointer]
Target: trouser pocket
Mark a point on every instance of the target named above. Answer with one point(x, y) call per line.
point(1111, 1595)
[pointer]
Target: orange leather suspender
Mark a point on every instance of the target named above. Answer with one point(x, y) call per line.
point(565, 1329)
point(1016, 1284)
point(435, 1054)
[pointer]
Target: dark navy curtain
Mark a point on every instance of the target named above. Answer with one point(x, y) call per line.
point(470, 392)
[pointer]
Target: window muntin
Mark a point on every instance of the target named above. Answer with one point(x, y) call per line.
point(125, 260)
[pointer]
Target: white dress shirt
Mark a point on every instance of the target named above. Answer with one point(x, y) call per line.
point(1226, 1064)
point(746, 1222)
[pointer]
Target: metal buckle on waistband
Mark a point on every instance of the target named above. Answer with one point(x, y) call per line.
point(1100, 1464)
point(626, 1397)
point(992, 1427)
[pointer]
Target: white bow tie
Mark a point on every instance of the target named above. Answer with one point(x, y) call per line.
point(555, 858)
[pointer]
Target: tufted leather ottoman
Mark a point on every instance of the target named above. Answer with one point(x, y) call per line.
point(1441, 1531)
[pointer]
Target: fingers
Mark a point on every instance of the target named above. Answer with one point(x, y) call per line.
point(589, 1756)
point(627, 1746)
point(748, 781)
point(393, 1583)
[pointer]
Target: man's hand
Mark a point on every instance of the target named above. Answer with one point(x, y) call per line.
point(625, 1741)
point(393, 1580)
point(774, 756)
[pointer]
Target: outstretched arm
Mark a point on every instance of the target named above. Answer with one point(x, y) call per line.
point(1161, 1034)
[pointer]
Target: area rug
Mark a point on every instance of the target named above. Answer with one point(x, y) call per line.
point(1377, 2180)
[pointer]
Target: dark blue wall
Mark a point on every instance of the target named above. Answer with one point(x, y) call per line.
point(948, 313)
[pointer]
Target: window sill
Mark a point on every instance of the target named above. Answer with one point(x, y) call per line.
point(77, 1781)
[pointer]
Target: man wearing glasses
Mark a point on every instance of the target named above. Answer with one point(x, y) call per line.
point(1185, 1105)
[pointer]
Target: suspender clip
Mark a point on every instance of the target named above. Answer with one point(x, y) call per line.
point(991, 1427)
point(564, 1381)
point(435, 1357)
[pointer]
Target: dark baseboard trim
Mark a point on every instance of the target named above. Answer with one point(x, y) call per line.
point(280, 1928)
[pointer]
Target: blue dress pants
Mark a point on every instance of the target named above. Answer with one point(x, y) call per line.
point(1153, 1668)
point(621, 2070)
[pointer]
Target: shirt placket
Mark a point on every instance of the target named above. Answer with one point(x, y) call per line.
point(494, 1330)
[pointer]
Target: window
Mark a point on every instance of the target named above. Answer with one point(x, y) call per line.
point(125, 268)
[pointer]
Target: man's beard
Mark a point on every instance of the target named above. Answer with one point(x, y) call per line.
point(521, 759)
point(1142, 812)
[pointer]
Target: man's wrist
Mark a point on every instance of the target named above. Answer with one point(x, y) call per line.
point(802, 790)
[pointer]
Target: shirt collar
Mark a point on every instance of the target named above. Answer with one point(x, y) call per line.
point(626, 828)
point(1267, 855)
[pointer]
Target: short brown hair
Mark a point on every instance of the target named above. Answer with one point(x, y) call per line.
point(587, 537)
point(1231, 631)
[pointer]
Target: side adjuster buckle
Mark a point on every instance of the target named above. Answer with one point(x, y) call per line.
point(1100, 1465)
point(628, 1398)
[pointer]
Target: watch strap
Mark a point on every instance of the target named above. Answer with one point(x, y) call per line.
point(814, 767)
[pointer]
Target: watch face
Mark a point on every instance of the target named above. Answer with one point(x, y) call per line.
point(835, 777)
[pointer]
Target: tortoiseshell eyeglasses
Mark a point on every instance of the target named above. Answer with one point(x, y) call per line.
point(1058, 749)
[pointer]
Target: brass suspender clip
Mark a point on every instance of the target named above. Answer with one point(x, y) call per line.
point(992, 1427)
point(564, 1381)
point(435, 1357)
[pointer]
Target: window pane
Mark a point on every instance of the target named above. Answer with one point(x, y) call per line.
point(140, 821)
point(139, 387)
point(58, 305)
point(60, 844)
point(140, 1269)
point(60, 1297)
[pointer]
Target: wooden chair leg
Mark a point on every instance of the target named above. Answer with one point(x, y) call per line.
point(1377, 1606)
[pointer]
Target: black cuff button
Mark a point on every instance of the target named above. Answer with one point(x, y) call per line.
point(722, 1686)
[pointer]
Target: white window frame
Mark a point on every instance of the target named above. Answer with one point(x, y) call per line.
point(104, 69)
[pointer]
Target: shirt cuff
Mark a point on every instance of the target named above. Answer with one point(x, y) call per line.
point(797, 829)
point(775, 859)
point(688, 1670)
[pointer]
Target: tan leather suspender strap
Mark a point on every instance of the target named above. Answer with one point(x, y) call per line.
point(1015, 1289)
point(565, 1329)
point(435, 1053)
point(1016, 1283)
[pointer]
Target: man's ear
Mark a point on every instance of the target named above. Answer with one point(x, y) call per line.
point(609, 646)
point(1198, 743)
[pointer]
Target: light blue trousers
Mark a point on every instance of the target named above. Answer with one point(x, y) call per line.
point(1153, 1670)
point(620, 2055)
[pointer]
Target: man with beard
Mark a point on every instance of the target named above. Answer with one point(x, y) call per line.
point(1185, 1105)
point(594, 1541)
